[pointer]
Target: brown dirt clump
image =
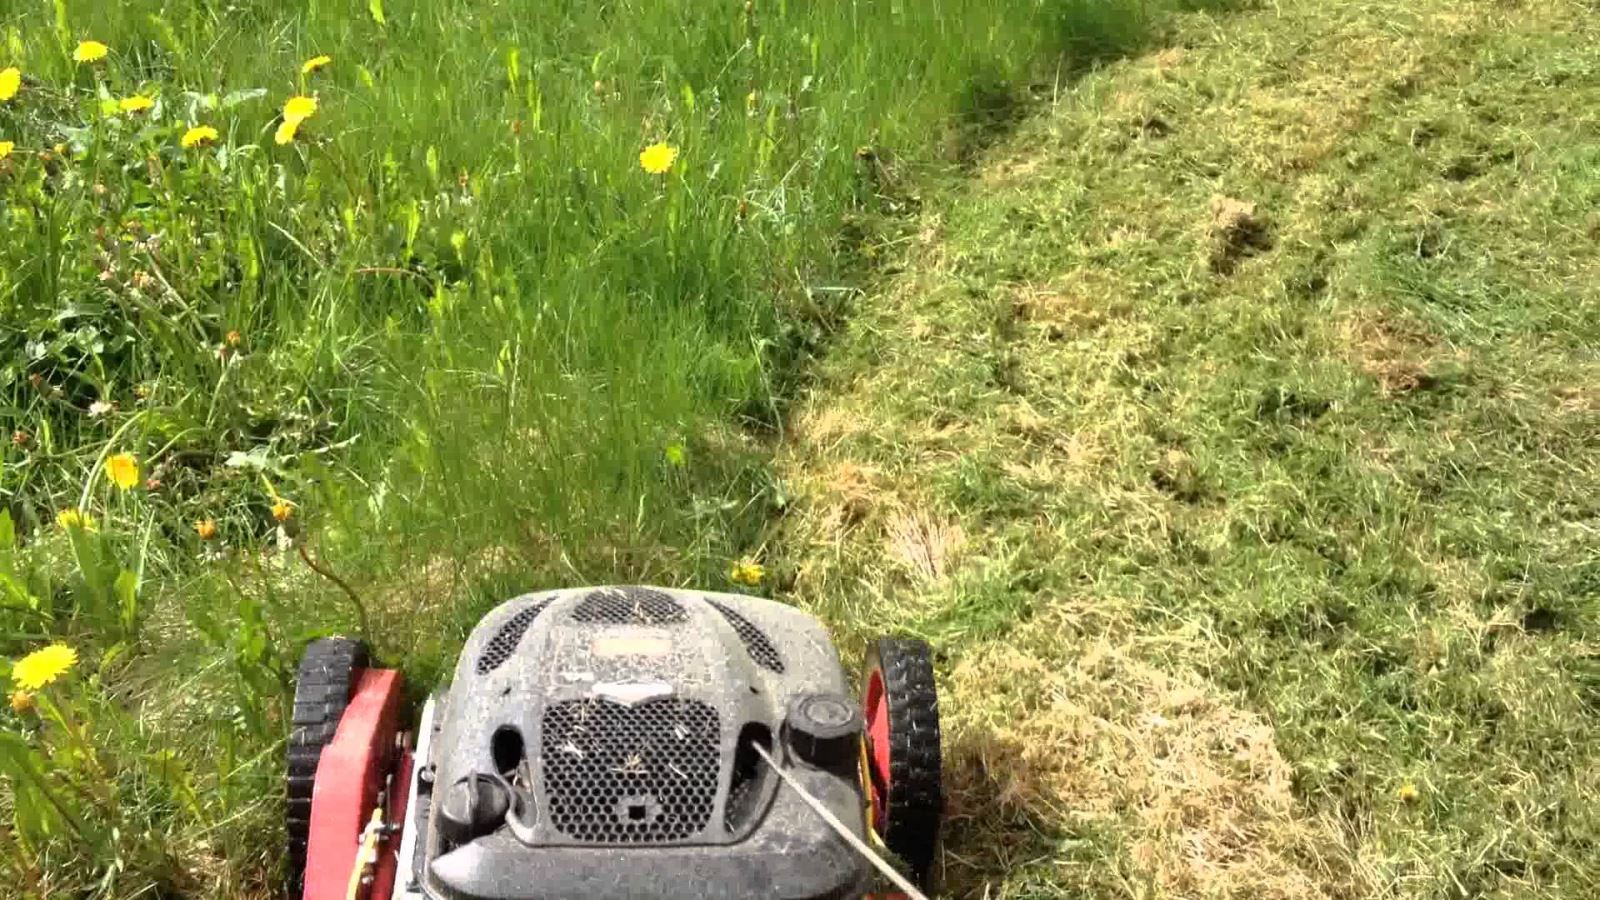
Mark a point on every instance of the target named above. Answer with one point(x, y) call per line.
point(1237, 231)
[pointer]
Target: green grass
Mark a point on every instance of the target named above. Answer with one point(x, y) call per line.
point(1227, 531)
point(1262, 557)
point(474, 341)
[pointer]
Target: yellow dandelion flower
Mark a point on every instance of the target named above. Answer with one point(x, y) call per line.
point(21, 702)
point(314, 64)
point(233, 338)
point(135, 104)
point(286, 131)
point(747, 572)
point(1408, 793)
point(90, 51)
point(123, 470)
point(73, 517)
point(5, 149)
point(198, 136)
point(674, 455)
point(282, 509)
point(43, 666)
point(206, 528)
point(10, 83)
point(299, 109)
point(657, 159)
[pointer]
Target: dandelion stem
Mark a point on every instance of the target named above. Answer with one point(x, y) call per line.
point(361, 608)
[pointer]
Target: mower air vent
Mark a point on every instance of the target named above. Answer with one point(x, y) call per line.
point(505, 641)
point(744, 791)
point(756, 642)
point(628, 606)
point(643, 774)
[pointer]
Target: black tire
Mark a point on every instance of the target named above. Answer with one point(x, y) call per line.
point(328, 672)
point(915, 791)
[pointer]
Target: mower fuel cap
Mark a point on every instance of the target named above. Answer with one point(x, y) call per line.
point(473, 807)
point(824, 729)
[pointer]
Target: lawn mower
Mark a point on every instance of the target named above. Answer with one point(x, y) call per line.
point(618, 742)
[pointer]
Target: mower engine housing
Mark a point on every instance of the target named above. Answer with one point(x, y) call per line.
point(597, 743)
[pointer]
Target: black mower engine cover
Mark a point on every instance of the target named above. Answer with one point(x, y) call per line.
point(595, 743)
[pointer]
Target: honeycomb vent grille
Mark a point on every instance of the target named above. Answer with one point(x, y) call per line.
point(505, 641)
point(756, 642)
point(644, 774)
point(628, 606)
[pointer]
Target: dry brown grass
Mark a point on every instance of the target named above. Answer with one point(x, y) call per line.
point(1398, 354)
point(925, 544)
point(1098, 738)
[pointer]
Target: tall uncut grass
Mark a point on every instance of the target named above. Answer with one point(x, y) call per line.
point(453, 322)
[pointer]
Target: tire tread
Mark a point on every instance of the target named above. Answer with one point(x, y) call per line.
point(915, 803)
point(327, 676)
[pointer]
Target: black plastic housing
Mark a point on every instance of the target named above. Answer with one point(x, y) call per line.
point(622, 718)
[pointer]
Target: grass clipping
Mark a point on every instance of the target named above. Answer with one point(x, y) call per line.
point(1194, 783)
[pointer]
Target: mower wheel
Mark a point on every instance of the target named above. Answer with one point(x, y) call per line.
point(328, 672)
point(901, 706)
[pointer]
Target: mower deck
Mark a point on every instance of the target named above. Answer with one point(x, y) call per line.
point(618, 743)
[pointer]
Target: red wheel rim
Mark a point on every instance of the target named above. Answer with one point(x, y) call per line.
point(877, 715)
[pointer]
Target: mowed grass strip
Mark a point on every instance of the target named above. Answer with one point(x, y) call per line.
point(1237, 439)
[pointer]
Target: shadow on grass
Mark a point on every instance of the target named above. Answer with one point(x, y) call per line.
point(1084, 35)
point(992, 105)
point(992, 822)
